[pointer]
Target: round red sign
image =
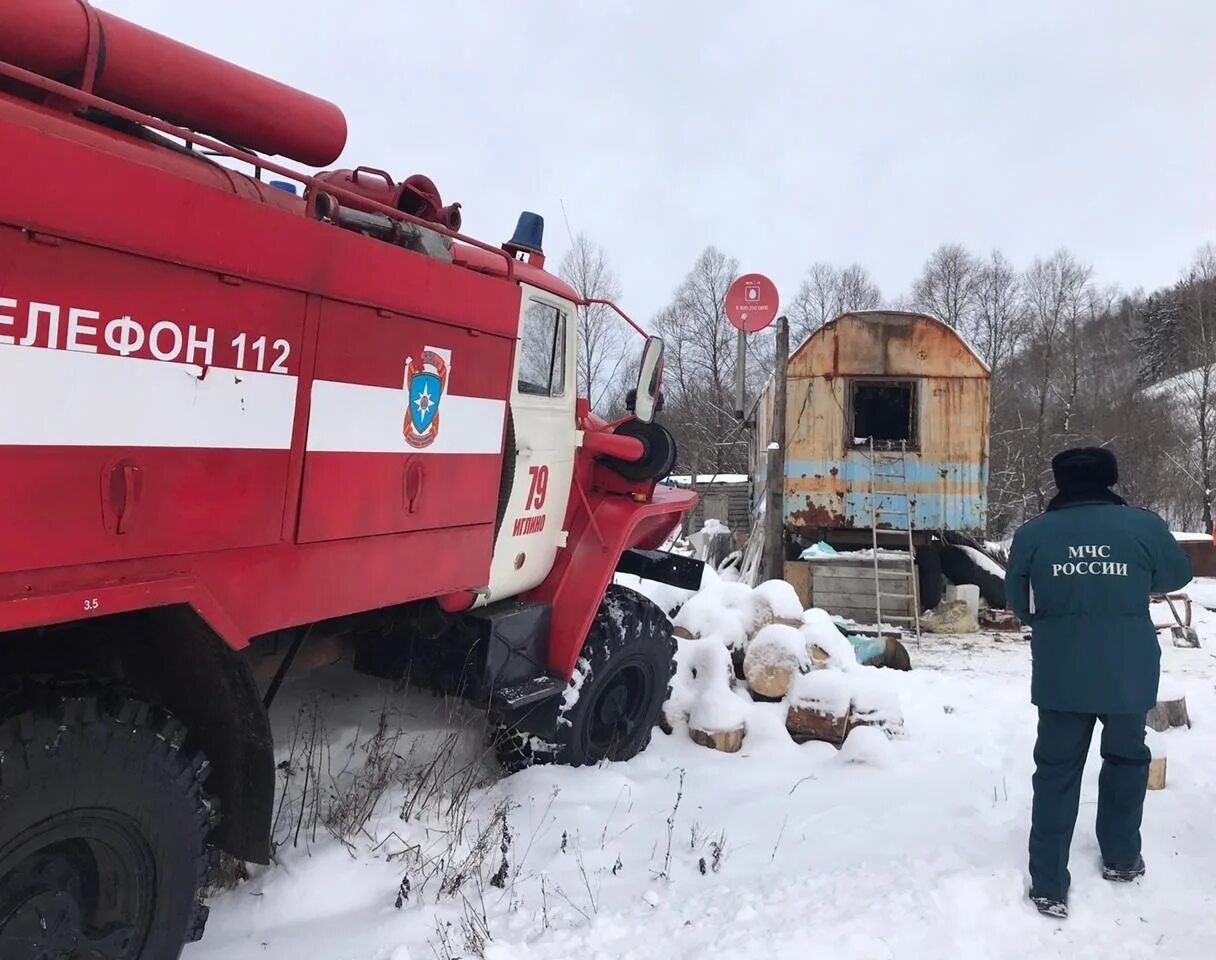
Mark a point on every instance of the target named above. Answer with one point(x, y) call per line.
point(751, 302)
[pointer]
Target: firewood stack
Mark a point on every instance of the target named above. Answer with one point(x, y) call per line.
point(761, 652)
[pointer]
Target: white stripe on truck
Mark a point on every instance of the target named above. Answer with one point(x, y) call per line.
point(355, 418)
point(63, 398)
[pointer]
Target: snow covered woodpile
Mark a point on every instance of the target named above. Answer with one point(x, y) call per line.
point(743, 646)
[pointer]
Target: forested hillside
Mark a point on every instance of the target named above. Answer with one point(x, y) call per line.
point(1074, 361)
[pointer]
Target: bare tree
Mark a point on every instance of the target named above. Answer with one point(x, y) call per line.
point(815, 301)
point(586, 268)
point(1054, 290)
point(998, 317)
point(700, 365)
point(856, 290)
point(1195, 389)
point(825, 293)
point(947, 285)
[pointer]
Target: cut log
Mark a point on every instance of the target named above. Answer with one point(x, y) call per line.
point(773, 658)
point(1003, 620)
point(771, 680)
point(763, 616)
point(1167, 714)
point(820, 704)
point(877, 708)
point(683, 633)
point(728, 741)
point(809, 723)
point(1156, 774)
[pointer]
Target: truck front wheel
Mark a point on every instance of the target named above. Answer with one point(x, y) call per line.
point(103, 825)
point(611, 706)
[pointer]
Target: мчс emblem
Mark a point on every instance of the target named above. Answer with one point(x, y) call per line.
point(425, 382)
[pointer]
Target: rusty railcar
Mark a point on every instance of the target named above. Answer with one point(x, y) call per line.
point(886, 428)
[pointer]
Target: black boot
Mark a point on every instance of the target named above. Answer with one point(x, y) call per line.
point(1050, 907)
point(1124, 874)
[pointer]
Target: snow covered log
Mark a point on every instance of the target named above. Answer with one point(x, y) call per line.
point(1003, 620)
point(876, 707)
point(776, 655)
point(725, 611)
point(776, 601)
point(820, 704)
point(1167, 714)
point(1156, 774)
point(716, 718)
point(1156, 768)
point(813, 723)
point(727, 741)
point(1171, 708)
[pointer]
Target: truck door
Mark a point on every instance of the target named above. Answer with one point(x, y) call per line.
point(539, 465)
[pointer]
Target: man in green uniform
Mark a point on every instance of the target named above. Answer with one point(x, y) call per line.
point(1080, 575)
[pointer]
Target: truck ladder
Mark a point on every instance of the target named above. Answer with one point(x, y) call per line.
point(877, 513)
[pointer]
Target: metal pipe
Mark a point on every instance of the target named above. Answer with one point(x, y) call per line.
point(149, 72)
point(31, 79)
point(740, 375)
point(382, 227)
point(608, 303)
point(614, 445)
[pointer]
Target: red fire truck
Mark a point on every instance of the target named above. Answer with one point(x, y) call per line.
point(250, 406)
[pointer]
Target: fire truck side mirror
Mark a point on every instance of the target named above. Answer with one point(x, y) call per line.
point(649, 380)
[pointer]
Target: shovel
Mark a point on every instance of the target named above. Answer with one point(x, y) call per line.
point(1183, 634)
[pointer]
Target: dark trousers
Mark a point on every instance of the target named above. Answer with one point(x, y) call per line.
point(1059, 756)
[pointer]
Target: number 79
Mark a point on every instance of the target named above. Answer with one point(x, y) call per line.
point(538, 489)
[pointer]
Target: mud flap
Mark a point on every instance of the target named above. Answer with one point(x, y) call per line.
point(662, 567)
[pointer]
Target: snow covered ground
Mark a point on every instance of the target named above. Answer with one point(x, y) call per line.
point(1201, 590)
point(909, 849)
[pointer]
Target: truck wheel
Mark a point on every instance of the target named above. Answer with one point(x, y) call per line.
point(103, 821)
point(616, 699)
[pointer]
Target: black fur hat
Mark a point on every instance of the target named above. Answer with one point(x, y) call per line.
point(1084, 467)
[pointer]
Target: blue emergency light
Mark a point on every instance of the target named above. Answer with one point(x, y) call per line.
point(529, 232)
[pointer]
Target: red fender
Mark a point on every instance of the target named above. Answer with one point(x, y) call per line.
point(602, 527)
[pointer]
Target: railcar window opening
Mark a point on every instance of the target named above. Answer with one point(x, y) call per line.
point(884, 411)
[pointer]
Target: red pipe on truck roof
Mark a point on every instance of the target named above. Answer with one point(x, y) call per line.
point(69, 41)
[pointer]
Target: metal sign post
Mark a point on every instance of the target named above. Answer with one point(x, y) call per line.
point(740, 379)
point(774, 507)
point(751, 305)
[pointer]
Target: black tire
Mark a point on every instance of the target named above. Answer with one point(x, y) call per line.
point(623, 679)
point(960, 568)
point(929, 575)
point(103, 826)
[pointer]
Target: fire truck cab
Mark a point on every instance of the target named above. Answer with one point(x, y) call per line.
point(250, 409)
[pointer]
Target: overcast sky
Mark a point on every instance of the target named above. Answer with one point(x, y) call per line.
point(784, 133)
